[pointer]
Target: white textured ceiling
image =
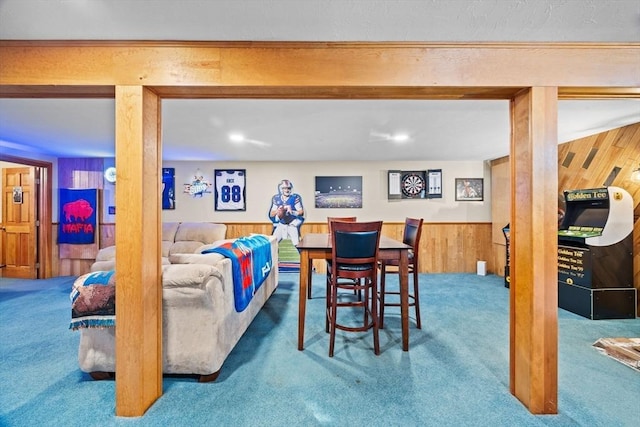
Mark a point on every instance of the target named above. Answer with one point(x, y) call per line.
point(310, 130)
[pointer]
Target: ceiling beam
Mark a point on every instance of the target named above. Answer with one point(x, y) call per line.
point(316, 70)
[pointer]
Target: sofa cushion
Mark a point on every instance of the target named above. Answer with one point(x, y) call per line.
point(169, 230)
point(166, 248)
point(184, 247)
point(106, 254)
point(103, 265)
point(204, 232)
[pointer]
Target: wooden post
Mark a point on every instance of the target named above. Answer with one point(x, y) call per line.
point(534, 243)
point(138, 248)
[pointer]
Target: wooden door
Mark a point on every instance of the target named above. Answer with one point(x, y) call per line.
point(19, 237)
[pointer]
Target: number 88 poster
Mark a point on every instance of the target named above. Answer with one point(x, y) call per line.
point(230, 190)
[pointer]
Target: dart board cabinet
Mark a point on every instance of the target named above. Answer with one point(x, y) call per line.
point(416, 184)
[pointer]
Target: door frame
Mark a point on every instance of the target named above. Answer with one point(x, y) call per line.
point(44, 174)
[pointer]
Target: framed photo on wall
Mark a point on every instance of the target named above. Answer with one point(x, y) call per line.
point(338, 192)
point(230, 189)
point(168, 188)
point(469, 189)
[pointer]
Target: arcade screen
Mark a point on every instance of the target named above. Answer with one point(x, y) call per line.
point(585, 219)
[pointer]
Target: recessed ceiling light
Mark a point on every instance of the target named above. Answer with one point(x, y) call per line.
point(400, 137)
point(236, 137)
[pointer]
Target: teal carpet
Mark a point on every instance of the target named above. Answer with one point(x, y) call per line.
point(455, 374)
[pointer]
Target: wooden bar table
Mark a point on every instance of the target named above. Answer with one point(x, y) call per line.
point(318, 246)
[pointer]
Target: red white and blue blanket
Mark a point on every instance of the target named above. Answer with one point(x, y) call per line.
point(250, 264)
point(93, 301)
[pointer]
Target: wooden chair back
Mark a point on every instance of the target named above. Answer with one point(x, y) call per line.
point(355, 247)
point(340, 218)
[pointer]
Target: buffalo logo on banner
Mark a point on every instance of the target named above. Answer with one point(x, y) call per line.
point(78, 210)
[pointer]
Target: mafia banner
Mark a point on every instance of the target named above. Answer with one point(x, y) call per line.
point(77, 218)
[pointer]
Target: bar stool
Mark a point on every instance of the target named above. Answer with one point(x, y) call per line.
point(354, 261)
point(329, 219)
point(411, 237)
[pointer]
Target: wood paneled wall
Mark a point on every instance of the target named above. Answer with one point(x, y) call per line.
point(76, 266)
point(607, 158)
point(444, 247)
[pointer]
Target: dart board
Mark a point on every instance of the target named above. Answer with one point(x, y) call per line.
point(413, 185)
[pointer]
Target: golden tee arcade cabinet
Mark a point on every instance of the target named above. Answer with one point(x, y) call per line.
point(595, 254)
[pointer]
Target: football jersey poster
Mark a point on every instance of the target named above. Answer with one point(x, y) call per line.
point(77, 219)
point(230, 189)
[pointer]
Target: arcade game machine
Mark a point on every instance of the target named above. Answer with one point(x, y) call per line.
point(506, 230)
point(595, 254)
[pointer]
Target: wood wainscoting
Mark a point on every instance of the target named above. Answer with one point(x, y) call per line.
point(444, 247)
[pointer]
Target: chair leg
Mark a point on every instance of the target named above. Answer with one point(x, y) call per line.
point(366, 301)
point(327, 304)
point(332, 314)
point(416, 298)
point(372, 299)
point(383, 273)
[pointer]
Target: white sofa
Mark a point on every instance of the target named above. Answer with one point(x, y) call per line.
point(200, 324)
point(177, 237)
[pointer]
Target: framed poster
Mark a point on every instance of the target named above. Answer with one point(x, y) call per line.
point(17, 195)
point(230, 189)
point(469, 189)
point(338, 192)
point(168, 188)
point(77, 217)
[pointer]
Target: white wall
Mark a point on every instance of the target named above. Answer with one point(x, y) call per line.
point(262, 179)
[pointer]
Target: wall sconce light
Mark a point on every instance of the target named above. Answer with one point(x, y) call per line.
point(635, 175)
point(110, 175)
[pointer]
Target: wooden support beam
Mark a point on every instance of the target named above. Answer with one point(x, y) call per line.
point(138, 247)
point(189, 69)
point(534, 243)
point(142, 72)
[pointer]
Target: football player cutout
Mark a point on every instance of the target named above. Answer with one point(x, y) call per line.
point(286, 213)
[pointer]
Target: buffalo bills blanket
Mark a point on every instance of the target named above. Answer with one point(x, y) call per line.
point(93, 301)
point(250, 263)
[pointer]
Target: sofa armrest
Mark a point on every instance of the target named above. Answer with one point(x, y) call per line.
point(188, 275)
point(206, 259)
